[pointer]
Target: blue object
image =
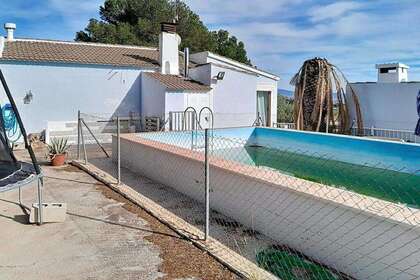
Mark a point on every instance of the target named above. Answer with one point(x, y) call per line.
point(10, 123)
point(417, 131)
point(402, 157)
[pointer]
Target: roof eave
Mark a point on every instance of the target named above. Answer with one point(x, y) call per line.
point(242, 65)
point(2, 59)
point(188, 90)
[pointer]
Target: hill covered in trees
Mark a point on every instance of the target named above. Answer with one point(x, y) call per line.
point(137, 22)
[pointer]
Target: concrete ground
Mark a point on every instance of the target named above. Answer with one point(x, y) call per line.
point(103, 237)
point(237, 237)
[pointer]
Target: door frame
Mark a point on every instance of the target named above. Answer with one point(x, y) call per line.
point(269, 93)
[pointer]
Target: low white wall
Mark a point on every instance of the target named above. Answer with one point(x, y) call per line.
point(348, 239)
point(386, 105)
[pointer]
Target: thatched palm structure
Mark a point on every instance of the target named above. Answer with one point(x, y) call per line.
point(314, 109)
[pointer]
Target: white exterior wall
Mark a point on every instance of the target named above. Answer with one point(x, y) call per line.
point(152, 97)
point(387, 105)
point(60, 90)
point(179, 101)
point(157, 101)
point(234, 98)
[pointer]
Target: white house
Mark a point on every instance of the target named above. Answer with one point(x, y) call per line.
point(389, 103)
point(52, 80)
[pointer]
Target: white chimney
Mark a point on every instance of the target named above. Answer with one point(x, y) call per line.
point(10, 28)
point(392, 73)
point(169, 41)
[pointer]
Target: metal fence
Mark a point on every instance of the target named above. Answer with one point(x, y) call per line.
point(374, 132)
point(403, 135)
point(94, 138)
point(295, 213)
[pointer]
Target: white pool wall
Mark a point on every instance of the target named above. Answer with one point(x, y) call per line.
point(355, 242)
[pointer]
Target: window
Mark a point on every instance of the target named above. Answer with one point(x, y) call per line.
point(388, 70)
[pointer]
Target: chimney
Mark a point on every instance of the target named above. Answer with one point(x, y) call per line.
point(186, 62)
point(10, 28)
point(392, 72)
point(169, 41)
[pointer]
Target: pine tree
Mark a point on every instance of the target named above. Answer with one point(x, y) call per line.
point(137, 22)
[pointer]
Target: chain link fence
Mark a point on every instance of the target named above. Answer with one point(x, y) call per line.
point(297, 213)
point(372, 132)
point(402, 135)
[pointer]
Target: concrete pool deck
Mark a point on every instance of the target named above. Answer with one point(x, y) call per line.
point(103, 237)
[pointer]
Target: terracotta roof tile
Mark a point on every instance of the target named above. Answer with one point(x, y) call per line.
point(84, 53)
point(174, 82)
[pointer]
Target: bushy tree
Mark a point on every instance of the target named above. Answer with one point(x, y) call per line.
point(137, 22)
point(284, 109)
point(229, 46)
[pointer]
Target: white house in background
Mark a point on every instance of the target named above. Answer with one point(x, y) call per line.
point(52, 80)
point(389, 103)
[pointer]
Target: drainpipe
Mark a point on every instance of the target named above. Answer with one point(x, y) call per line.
point(186, 62)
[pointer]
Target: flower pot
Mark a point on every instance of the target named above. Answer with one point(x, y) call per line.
point(58, 160)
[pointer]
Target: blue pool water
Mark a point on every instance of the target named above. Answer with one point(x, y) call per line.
point(382, 169)
point(403, 157)
point(376, 153)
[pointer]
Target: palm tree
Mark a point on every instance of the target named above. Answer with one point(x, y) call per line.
point(314, 109)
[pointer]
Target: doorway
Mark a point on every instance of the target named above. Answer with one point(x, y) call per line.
point(264, 107)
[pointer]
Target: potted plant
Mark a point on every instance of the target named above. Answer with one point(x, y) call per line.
point(57, 151)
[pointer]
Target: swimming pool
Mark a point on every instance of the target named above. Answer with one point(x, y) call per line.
point(381, 169)
point(332, 198)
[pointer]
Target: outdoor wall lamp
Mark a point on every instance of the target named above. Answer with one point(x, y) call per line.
point(220, 76)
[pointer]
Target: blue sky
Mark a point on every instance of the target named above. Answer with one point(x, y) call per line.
point(279, 34)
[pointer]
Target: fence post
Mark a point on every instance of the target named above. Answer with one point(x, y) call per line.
point(170, 121)
point(83, 142)
point(207, 181)
point(40, 185)
point(118, 151)
point(78, 135)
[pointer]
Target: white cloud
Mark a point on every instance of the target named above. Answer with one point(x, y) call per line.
point(333, 11)
point(76, 13)
point(353, 36)
point(217, 12)
point(279, 34)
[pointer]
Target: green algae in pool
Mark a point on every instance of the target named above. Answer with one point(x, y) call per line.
point(389, 185)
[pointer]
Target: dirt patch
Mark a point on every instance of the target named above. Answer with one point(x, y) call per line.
point(180, 257)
